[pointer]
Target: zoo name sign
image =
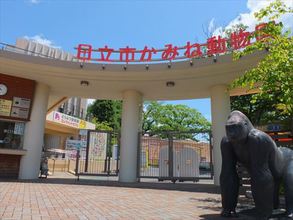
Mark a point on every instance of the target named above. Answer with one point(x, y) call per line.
point(214, 45)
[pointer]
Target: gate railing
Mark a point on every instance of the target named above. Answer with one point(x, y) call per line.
point(101, 156)
point(183, 156)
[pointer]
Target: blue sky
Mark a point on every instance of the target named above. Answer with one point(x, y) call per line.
point(66, 23)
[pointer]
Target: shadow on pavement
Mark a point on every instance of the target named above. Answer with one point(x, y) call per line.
point(245, 213)
point(218, 217)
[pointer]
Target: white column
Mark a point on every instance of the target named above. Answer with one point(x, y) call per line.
point(131, 114)
point(220, 101)
point(34, 134)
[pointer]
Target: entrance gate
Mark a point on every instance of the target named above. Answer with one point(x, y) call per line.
point(101, 155)
point(183, 156)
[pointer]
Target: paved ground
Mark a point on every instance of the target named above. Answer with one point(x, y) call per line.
point(65, 198)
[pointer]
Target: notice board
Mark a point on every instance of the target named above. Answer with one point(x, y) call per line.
point(16, 104)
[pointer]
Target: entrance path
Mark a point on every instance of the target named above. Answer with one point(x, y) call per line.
point(66, 198)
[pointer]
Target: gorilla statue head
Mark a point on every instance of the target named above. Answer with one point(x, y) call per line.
point(238, 127)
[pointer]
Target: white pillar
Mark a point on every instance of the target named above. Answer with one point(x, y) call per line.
point(131, 114)
point(34, 134)
point(220, 101)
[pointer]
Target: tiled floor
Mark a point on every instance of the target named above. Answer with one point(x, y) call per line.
point(67, 199)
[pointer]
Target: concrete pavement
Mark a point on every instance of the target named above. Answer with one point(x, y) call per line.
point(65, 198)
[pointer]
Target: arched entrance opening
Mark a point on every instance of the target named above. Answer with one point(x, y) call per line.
point(56, 79)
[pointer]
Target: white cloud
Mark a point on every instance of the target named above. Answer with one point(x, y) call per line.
point(41, 40)
point(35, 1)
point(255, 5)
point(211, 26)
point(249, 20)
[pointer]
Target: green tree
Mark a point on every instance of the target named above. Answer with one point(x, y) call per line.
point(235, 28)
point(152, 111)
point(159, 117)
point(106, 114)
point(273, 74)
point(101, 125)
point(260, 112)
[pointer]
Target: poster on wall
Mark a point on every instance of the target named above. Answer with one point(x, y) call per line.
point(72, 146)
point(20, 94)
point(98, 145)
point(5, 107)
point(19, 112)
point(21, 102)
point(19, 128)
point(75, 144)
point(83, 132)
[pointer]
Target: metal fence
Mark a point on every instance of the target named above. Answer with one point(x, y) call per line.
point(101, 155)
point(183, 156)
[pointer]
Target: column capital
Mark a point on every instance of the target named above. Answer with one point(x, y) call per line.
point(219, 87)
point(131, 92)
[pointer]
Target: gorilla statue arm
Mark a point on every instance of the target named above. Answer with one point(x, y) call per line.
point(229, 180)
point(262, 180)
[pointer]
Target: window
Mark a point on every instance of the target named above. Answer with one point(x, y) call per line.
point(11, 134)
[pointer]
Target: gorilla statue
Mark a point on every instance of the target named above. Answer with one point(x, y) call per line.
point(266, 164)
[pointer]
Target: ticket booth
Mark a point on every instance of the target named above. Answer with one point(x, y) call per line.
point(16, 97)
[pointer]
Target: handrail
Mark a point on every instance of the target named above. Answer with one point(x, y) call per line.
point(24, 50)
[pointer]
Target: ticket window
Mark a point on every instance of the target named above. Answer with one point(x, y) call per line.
point(11, 134)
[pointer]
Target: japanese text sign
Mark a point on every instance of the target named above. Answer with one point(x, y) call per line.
point(214, 45)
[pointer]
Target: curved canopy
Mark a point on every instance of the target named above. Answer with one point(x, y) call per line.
point(190, 81)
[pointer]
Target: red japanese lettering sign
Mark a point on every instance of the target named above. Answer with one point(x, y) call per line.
point(214, 45)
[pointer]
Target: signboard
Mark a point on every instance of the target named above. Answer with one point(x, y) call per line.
point(75, 144)
point(71, 147)
point(115, 152)
point(98, 145)
point(20, 97)
point(82, 124)
point(66, 119)
point(69, 120)
point(83, 132)
point(21, 102)
point(5, 107)
point(19, 112)
point(214, 45)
